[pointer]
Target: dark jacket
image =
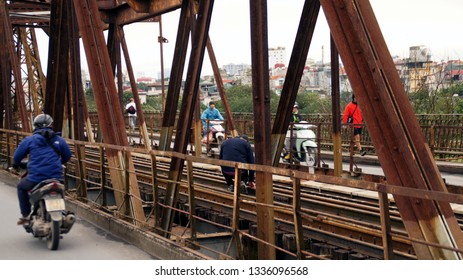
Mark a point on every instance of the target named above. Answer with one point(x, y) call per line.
point(44, 162)
point(238, 150)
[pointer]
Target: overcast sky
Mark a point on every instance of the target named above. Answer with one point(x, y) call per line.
point(437, 25)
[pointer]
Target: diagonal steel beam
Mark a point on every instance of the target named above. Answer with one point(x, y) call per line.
point(404, 155)
point(140, 115)
point(109, 110)
point(176, 74)
point(58, 63)
point(218, 80)
point(293, 77)
point(190, 97)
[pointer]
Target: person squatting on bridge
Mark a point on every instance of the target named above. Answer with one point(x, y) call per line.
point(47, 153)
point(131, 111)
point(211, 113)
point(237, 149)
point(352, 114)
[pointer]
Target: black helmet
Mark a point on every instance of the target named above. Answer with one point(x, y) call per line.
point(43, 120)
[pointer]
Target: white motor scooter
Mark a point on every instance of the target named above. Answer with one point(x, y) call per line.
point(215, 136)
point(218, 131)
point(304, 144)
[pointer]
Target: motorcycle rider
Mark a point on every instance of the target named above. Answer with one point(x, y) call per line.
point(47, 152)
point(295, 118)
point(211, 113)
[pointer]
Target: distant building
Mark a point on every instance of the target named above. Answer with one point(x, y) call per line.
point(276, 56)
point(236, 69)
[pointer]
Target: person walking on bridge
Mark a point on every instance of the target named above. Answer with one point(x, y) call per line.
point(353, 115)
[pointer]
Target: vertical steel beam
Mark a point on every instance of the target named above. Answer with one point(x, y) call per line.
point(190, 97)
point(218, 81)
point(402, 150)
point(176, 75)
point(262, 136)
point(58, 63)
point(161, 53)
point(109, 110)
point(336, 110)
point(5, 80)
point(293, 76)
point(76, 91)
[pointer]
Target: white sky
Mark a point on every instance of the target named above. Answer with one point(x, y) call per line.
point(404, 23)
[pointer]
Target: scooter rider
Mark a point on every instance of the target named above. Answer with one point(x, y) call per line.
point(295, 118)
point(47, 152)
point(211, 113)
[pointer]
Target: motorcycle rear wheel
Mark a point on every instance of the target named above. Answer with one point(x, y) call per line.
point(53, 237)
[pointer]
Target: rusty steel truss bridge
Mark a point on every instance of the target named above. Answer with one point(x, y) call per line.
point(413, 178)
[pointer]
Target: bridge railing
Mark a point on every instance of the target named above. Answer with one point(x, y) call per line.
point(206, 211)
point(443, 133)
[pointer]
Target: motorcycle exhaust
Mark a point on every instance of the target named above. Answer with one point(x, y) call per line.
point(68, 221)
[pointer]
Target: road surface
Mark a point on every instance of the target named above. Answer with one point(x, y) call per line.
point(83, 242)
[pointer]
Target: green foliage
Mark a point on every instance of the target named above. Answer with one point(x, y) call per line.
point(142, 86)
point(313, 103)
point(240, 100)
point(153, 103)
point(445, 101)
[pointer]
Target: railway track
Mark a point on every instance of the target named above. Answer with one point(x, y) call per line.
point(333, 216)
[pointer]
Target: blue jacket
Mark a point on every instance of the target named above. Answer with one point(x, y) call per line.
point(44, 162)
point(209, 114)
point(238, 150)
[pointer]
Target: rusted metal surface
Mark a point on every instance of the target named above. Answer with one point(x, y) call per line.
point(153, 6)
point(16, 89)
point(35, 77)
point(111, 120)
point(190, 97)
point(161, 41)
point(77, 101)
point(58, 63)
point(335, 101)
point(262, 136)
point(176, 74)
point(30, 13)
point(293, 77)
point(404, 156)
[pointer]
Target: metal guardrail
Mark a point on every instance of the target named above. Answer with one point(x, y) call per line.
point(443, 133)
point(98, 192)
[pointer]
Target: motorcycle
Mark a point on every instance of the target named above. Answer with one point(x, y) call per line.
point(304, 143)
point(49, 218)
point(216, 134)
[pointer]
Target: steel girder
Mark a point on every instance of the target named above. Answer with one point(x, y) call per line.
point(293, 77)
point(262, 132)
point(16, 89)
point(127, 193)
point(404, 155)
point(190, 97)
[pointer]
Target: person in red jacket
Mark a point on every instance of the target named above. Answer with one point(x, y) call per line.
point(352, 114)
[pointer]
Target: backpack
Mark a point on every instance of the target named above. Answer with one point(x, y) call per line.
point(131, 110)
